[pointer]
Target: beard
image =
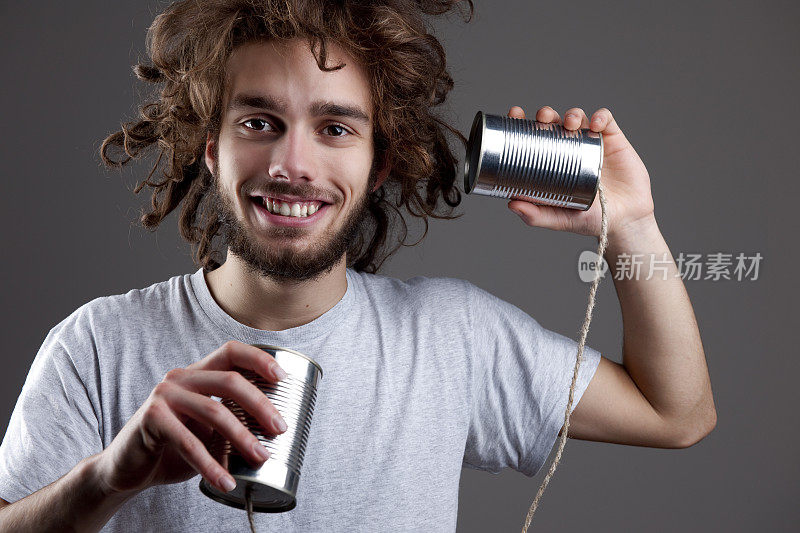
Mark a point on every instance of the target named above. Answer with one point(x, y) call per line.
point(283, 263)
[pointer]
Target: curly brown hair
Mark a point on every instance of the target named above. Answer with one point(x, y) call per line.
point(189, 44)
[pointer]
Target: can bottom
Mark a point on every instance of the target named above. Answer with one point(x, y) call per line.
point(272, 486)
point(265, 499)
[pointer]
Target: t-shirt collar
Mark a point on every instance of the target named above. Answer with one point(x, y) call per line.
point(324, 324)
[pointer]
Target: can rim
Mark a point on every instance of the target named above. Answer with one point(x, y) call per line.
point(474, 156)
point(599, 175)
point(282, 349)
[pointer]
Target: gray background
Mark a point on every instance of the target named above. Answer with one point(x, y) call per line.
point(706, 95)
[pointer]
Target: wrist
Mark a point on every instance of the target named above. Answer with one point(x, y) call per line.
point(640, 235)
point(92, 472)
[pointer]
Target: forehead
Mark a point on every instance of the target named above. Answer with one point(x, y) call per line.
point(287, 71)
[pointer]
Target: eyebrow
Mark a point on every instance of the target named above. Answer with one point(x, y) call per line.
point(317, 109)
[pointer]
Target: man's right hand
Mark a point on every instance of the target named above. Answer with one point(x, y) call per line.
point(166, 440)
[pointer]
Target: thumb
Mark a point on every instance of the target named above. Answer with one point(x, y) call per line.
point(544, 216)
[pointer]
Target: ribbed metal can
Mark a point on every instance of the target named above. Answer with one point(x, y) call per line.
point(541, 163)
point(272, 487)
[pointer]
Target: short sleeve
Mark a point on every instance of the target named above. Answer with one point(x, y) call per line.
point(520, 386)
point(53, 426)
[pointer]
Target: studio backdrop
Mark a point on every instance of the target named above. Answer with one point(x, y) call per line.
point(706, 94)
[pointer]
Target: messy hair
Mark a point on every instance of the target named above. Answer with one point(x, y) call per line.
point(188, 46)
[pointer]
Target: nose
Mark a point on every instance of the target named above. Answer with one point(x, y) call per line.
point(292, 157)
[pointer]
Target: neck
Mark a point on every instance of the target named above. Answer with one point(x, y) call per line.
point(264, 303)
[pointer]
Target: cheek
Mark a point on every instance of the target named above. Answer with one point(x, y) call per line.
point(237, 162)
point(354, 171)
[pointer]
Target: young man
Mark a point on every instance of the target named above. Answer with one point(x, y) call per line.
point(113, 423)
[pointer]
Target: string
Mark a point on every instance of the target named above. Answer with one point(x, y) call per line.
point(248, 498)
point(601, 248)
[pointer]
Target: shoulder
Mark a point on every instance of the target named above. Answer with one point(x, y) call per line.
point(105, 313)
point(414, 289)
point(446, 295)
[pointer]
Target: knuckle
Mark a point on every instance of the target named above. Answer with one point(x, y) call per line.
point(162, 389)
point(175, 374)
point(218, 411)
point(228, 347)
point(153, 412)
point(232, 379)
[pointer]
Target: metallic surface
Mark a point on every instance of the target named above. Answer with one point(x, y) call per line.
point(527, 160)
point(273, 486)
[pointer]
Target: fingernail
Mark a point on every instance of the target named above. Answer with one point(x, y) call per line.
point(261, 451)
point(280, 373)
point(227, 483)
point(281, 424)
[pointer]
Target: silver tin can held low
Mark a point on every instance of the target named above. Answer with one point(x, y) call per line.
point(541, 163)
point(273, 486)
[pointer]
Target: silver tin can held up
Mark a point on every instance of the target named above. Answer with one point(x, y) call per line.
point(541, 163)
point(273, 486)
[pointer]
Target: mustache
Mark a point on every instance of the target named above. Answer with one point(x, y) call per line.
point(291, 189)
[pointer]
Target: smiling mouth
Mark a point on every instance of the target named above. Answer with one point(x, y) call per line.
point(289, 209)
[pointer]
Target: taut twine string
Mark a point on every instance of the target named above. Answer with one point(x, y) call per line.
point(248, 499)
point(601, 249)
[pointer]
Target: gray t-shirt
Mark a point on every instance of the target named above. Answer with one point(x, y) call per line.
point(421, 378)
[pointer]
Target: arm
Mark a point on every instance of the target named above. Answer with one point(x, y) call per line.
point(76, 502)
point(165, 441)
point(661, 393)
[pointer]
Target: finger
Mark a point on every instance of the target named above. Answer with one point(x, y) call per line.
point(547, 115)
point(516, 112)
point(238, 354)
point(214, 414)
point(603, 121)
point(169, 429)
point(575, 118)
point(203, 431)
point(543, 216)
point(230, 384)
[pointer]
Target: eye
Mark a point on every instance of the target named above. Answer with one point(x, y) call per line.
point(264, 125)
point(336, 130)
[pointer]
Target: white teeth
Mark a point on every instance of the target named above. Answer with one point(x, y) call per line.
point(295, 209)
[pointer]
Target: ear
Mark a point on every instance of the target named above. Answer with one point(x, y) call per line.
point(383, 173)
point(210, 162)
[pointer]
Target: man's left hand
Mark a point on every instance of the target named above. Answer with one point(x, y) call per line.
point(625, 180)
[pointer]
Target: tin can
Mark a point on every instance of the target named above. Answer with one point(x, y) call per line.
point(541, 163)
point(271, 488)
